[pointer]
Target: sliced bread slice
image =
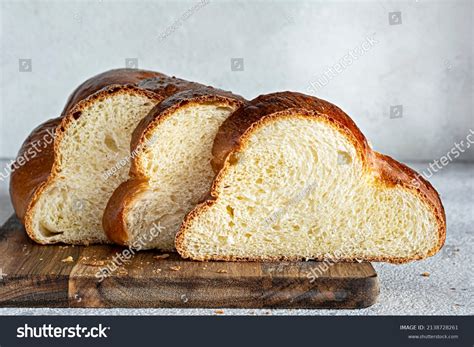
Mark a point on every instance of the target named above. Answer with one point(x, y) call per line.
point(68, 167)
point(298, 180)
point(170, 171)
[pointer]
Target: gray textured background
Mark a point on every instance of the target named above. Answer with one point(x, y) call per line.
point(424, 64)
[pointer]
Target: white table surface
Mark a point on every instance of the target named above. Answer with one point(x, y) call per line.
point(403, 291)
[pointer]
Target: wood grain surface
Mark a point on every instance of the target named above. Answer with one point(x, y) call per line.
point(45, 276)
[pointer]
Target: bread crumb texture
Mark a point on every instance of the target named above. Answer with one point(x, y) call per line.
point(178, 168)
point(297, 189)
point(93, 159)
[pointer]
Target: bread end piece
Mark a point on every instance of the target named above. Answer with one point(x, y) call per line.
point(36, 165)
point(201, 233)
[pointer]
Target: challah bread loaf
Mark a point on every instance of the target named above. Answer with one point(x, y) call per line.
point(62, 188)
point(170, 171)
point(297, 180)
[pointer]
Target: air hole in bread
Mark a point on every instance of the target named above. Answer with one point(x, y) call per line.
point(109, 141)
point(174, 198)
point(47, 232)
point(76, 115)
point(230, 211)
point(270, 169)
point(222, 239)
point(343, 158)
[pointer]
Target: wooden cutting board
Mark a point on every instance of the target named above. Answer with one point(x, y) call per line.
point(32, 275)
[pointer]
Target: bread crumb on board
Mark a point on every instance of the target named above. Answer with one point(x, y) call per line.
point(221, 271)
point(425, 274)
point(93, 262)
point(68, 259)
point(219, 311)
point(161, 256)
point(175, 268)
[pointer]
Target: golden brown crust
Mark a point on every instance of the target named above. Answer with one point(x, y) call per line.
point(27, 177)
point(108, 78)
point(393, 172)
point(236, 130)
point(30, 177)
point(114, 220)
point(233, 128)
